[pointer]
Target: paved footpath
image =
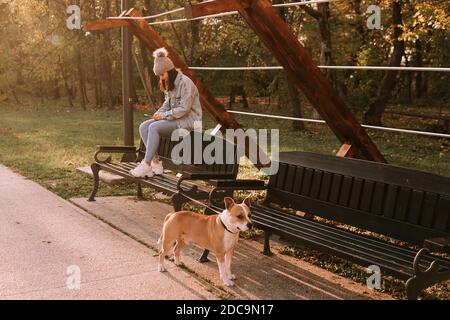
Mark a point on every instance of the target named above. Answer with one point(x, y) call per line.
point(43, 238)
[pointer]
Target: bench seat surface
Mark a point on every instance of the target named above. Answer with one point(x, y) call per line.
point(167, 182)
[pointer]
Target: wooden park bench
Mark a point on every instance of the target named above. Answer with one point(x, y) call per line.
point(181, 182)
point(402, 204)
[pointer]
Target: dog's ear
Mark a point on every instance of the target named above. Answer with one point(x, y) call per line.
point(247, 201)
point(229, 203)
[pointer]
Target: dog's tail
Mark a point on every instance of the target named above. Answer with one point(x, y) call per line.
point(161, 236)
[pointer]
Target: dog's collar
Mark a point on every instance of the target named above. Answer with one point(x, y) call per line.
point(220, 218)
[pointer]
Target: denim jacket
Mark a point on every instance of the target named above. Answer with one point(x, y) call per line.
point(182, 103)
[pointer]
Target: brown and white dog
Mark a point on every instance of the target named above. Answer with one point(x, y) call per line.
point(218, 233)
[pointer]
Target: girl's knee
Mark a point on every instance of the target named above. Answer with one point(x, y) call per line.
point(144, 126)
point(154, 126)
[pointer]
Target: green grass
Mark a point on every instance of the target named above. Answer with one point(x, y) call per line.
point(47, 144)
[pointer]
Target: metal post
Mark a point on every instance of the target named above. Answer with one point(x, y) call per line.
point(128, 124)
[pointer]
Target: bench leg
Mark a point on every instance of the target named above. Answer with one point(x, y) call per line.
point(95, 167)
point(178, 201)
point(204, 257)
point(423, 279)
point(140, 194)
point(267, 251)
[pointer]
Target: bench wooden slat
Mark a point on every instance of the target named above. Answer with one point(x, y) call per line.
point(290, 178)
point(345, 190)
point(402, 205)
point(281, 176)
point(442, 221)
point(307, 181)
point(326, 186)
point(415, 206)
point(378, 198)
point(391, 201)
point(335, 188)
point(355, 197)
point(429, 209)
point(298, 180)
point(366, 199)
point(316, 184)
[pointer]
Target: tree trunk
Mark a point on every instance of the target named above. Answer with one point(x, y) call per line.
point(81, 82)
point(362, 31)
point(322, 15)
point(14, 94)
point(418, 61)
point(296, 105)
point(326, 58)
point(408, 81)
point(56, 93)
point(106, 61)
point(377, 107)
point(149, 77)
point(66, 84)
point(81, 77)
point(195, 40)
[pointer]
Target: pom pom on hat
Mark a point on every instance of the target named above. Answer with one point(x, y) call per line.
point(161, 52)
point(162, 61)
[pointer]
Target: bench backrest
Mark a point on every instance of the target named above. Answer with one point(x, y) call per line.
point(405, 204)
point(165, 153)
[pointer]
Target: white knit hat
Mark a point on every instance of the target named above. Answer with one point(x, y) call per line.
point(162, 61)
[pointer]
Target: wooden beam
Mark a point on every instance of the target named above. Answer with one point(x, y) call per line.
point(213, 7)
point(304, 73)
point(104, 25)
point(344, 150)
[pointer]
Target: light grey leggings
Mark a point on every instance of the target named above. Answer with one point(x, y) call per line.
point(150, 132)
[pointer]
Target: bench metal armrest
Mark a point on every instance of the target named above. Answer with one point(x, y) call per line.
point(438, 244)
point(113, 149)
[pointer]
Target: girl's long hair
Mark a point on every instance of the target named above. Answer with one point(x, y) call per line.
point(170, 84)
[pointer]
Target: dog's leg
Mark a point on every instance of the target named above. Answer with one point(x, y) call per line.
point(223, 270)
point(166, 246)
point(228, 257)
point(177, 251)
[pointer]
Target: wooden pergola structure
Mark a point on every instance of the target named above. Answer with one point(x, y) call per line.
point(280, 40)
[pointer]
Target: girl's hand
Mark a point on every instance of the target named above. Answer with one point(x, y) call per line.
point(157, 117)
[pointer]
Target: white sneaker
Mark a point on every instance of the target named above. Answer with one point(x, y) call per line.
point(157, 168)
point(142, 170)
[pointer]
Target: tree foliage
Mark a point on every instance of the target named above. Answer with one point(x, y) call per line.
point(40, 57)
